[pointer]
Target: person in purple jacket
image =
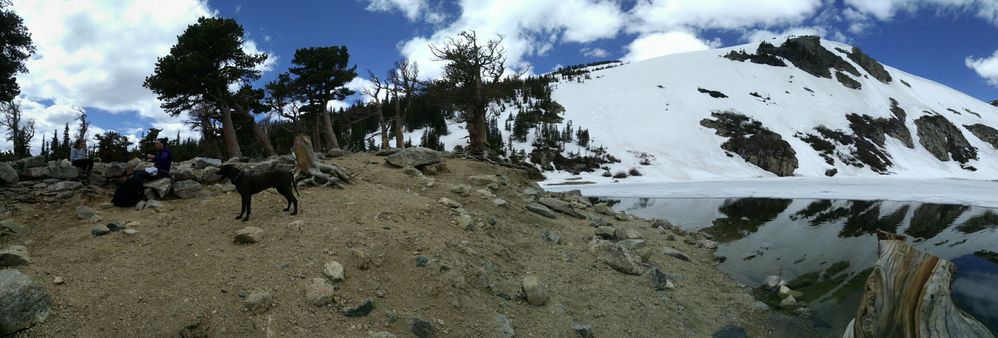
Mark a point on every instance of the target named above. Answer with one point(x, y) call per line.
point(161, 162)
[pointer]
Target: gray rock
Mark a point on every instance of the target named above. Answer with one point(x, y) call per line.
point(461, 189)
point(730, 331)
point(604, 209)
point(707, 244)
point(360, 310)
point(86, 213)
point(414, 157)
point(63, 170)
point(620, 216)
point(560, 206)
point(160, 186)
point(485, 193)
point(620, 258)
point(421, 328)
point(205, 162)
point(153, 204)
point(8, 226)
point(540, 209)
point(100, 230)
point(421, 261)
point(334, 153)
point(258, 302)
point(111, 169)
point(505, 329)
point(675, 253)
point(23, 302)
point(760, 306)
point(484, 179)
point(659, 280)
point(210, 175)
point(942, 139)
point(319, 292)
point(583, 330)
point(183, 174)
point(334, 271)
point(34, 173)
point(64, 186)
point(535, 290)
point(627, 233)
point(500, 202)
point(14, 256)
point(465, 221)
point(412, 171)
point(248, 235)
point(130, 232)
point(186, 189)
point(549, 236)
point(30, 162)
point(606, 232)
point(789, 303)
point(449, 203)
point(8, 175)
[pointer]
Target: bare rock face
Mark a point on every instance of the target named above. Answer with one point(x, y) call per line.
point(754, 143)
point(985, 133)
point(870, 65)
point(23, 302)
point(943, 139)
point(414, 157)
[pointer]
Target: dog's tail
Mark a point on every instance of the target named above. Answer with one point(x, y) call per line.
point(294, 185)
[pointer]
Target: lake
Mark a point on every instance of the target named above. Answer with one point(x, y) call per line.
point(826, 248)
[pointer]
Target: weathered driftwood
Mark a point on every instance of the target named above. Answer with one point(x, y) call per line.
point(309, 167)
point(908, 295)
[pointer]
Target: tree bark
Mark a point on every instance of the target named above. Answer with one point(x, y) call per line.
point(309, 167)
point(261, 135)
point(316, 134)
point(384, 127)
point(399, 139)
point(327, 123)
point(229, 131)
point(908, 295)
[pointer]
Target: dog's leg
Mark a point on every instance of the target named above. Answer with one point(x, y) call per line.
point(246, 201)
point(286, 192)
point(242, 207)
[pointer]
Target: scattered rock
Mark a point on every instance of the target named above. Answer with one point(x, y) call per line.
point(258, 302)
point(465, 221)
point(248, 235)
point(626, 233)
point(414, 157)
point(23, 302)
point(411, 171)
point(63, 170)
point(319, 292)
point(500, 203)
point(64, 186)
point(204, 162)
point(421, 328)
point(583, 330)
point(361, 310)
point(334, 271)
point(606, 232)
point(58, 280)
point(560, 206)
point(620, 258)
point(421, 261)
point(186, 189)
point(540, 209)
point(632, 244)
point(100, 230)
point(536, 292)
point(449, 203)
point(773, 281)
point(484, 179)
point(461, 189)
point(760, 306)
point(8, 226)
point(730, 331)
point(8, 175)
point(707, 244)
point(505, 329)
point(675, 253)
point(382, 334)
point(131, 232)
point(659, 280)
point(86, 213)
point(14, 256)
point(160, 186)
point(361, 259)
point(789, 303)
point(620, 216)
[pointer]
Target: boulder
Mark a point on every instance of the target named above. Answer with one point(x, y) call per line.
point(334, 153)
point(183, 174)
point(421, 328)
point(535, 291)
point(34, 173)
point(620, 258)
point(210, 175)
point(186, 189)
point(64, 186)
point(540, 209)
point(86, 213)
point(116, 169)
point(560, 206)
point(319, 292)
point(626, 233)
point(360, 310)
point(248, 235)
point(205, 162)
point(8, 175)
point(449, 203)
point(334, 271)
point(23, 302)
point(62, 169)
point(258, 302)
point(675, 253)
point(505, 329)
point(160, 186)
point(14, 256)
point(414, 157)
point(30, 162)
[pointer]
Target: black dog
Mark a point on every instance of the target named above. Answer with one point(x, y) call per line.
point(248, 184)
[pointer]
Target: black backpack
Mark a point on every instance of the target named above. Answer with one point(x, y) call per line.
point(128, 193)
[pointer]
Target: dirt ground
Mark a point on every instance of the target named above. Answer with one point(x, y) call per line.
point(182, 268)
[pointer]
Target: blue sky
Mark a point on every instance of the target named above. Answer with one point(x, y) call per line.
point(95, 54)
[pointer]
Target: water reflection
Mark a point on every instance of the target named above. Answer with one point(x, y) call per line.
point(826, 248)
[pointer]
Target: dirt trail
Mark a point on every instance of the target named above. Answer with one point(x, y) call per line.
point(182, 268)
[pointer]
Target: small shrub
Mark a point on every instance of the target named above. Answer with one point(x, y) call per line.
point(620, 174)
point(634, 172)
point(607, 174)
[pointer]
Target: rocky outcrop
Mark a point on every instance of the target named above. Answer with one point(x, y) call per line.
point(994, 103)
point(806, 53)
point(753, 142)
point(866, 143)
point(943, 139)
point(847, 81)
point(414, 157)
point(762, 59)
point(713, 93)
point(870, 65)
point(984, 133)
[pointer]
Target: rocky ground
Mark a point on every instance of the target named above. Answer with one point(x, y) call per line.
point(466, 252)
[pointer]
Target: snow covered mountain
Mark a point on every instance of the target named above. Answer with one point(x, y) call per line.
point(793, 107)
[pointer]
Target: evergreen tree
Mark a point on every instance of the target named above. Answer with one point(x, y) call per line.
point(15, 48)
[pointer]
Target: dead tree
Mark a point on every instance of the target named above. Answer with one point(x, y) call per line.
point(403, 79)
point(19, 132)
point(311, 169)
point(375, 95)
point(908, 295)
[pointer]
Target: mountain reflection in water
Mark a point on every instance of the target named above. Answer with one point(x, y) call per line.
point(826, 248)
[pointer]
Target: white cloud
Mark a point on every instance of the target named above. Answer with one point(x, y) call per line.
point(666, 15)
point(659, 44)
point(97, 54)
point(886, 10)
point(766, 35)
point(594, 52)
point(987, 68)
point(414, 10)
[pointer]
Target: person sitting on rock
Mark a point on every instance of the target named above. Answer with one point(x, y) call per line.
point(78, 156)
point(161, 163)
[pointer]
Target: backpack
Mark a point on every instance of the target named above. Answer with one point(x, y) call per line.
point(128, 194)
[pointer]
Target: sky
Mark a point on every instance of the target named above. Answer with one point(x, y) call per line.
point(95, 54)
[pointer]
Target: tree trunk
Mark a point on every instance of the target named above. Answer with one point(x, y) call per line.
point(476, 134)
point(908, 295)
point(384, 127)
point(261, 135)
point(327, 123)
point(229, 132)
point(309, 167)
point(399, 140)
point(316, 134)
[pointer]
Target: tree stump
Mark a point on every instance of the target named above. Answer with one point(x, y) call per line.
point(908, 295)
point(315, 172)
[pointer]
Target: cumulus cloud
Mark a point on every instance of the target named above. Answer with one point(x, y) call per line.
point(665, 15)
point(886, 10)
point(659, 44)
point(987, 68)
point(595, 52)
point(413, 10)
point(97, 54)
